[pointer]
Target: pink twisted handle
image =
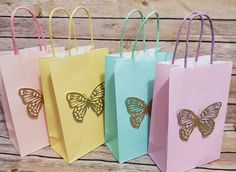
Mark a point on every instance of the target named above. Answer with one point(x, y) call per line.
point(37, 25)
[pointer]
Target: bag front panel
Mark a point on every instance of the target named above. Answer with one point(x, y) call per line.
point(81, 76)
point(134, 80)
point(51, 110)
point(20, 75)
point(198, 95)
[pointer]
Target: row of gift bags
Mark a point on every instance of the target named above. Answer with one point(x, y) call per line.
point(186, 98)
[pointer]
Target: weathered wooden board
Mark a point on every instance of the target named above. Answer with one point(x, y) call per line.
point(220, 9)
point(232, 94)
point(110, 29)
point(231, 111)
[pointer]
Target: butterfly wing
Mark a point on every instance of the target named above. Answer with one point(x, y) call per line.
point(186, 120)
point(97, 99)
point(33, 100)
point(206, 123)
point(78, 103)
point(137, 108)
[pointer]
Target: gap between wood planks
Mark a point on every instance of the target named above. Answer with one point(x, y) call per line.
point(112, 39)
point(109, 17)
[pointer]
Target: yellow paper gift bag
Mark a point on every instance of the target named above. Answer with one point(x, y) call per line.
point(53, 123)
point(76, 86)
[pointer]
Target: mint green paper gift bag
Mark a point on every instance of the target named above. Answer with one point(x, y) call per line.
point(129, 79)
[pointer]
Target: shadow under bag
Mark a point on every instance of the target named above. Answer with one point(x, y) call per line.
point(189, 108)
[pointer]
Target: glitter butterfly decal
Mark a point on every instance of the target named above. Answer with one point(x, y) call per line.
point(205, 123)
point(33, 99)
point(80, 102)
point(137, 109)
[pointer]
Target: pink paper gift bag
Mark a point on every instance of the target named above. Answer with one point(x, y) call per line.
point(189, 109)
point(21, 97)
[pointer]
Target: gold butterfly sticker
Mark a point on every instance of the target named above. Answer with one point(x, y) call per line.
point(33, 99)
point(205, 123)
point(80, 103)
point(137, 109)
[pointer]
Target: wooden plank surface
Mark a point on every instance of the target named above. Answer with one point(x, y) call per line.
point(110, 29)
point(231, 111)
point(232, 94)
point(218, 9)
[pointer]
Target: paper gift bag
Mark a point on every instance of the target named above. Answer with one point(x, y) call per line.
point(128, 97)
point(189, 109)
point(53, 123)
point(21, 97)
point(76, 86)
point(54, 128)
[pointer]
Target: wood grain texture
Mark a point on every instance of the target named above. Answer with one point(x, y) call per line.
point(231, 111)
point(110, 29)
point(219, 9)
point(232, 93)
